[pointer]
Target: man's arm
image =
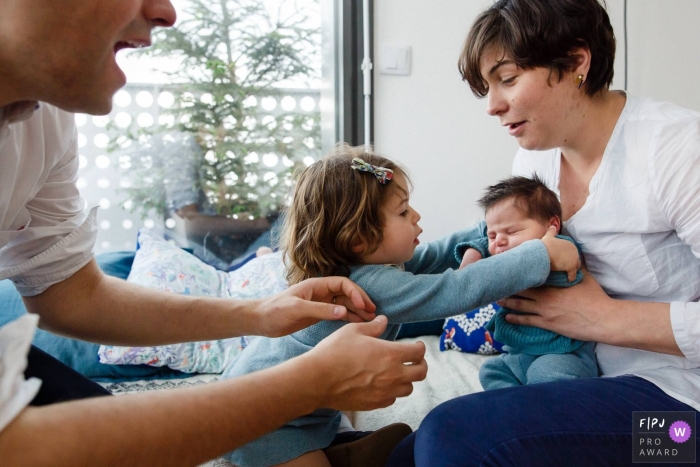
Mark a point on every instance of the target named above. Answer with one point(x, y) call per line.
point(349, 370)
point(92, 306)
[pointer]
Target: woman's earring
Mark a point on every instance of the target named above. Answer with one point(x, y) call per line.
point(579, 81)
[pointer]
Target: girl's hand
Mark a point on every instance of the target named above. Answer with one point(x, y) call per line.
point(470, 256)
point(563, 255)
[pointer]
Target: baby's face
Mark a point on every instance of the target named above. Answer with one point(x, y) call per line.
point(508, 227)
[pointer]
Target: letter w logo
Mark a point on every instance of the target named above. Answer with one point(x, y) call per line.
point(680, 431)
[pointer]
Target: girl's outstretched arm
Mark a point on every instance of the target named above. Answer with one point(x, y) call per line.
point(409, 296)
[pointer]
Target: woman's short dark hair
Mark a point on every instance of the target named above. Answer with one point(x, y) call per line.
point(541, 33)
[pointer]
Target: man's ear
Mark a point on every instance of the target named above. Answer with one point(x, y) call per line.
point(556, 222)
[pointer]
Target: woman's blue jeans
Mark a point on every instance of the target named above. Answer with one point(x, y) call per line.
point(584, 422)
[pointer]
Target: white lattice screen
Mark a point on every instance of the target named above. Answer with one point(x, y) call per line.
point(102, 174)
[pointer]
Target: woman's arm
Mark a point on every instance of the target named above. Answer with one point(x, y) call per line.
point(587, 313)
point(349, 370)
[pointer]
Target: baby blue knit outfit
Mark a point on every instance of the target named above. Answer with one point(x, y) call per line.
point(534, 355)
point(429, 288)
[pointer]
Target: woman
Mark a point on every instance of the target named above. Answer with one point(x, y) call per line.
point(627, 171)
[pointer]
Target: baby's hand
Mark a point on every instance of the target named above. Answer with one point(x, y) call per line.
point(470, 256)
point(563, 255)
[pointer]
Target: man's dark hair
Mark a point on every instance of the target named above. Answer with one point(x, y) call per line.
point(541, 33)
point(530, 195)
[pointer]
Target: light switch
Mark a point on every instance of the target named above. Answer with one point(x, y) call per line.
point(395, 59)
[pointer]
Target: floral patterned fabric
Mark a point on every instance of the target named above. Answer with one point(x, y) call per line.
point(466, 333)
point(160, 265)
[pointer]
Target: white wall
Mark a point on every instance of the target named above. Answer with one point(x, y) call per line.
point(432, 123)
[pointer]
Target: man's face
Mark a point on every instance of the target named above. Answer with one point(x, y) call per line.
point(63, 52)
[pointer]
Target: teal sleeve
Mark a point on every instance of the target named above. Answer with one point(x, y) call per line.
point(405, 297)
point(438, 256)
point(480, 244)
point(559, 278)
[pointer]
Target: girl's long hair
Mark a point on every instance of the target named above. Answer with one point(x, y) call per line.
point(334, 211)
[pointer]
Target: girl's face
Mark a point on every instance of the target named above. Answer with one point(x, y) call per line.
point(537, 108)
point(401, 228)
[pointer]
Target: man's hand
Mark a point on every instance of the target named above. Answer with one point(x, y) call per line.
point(311, 301)
point(470, 256)
point(563, 255)
point(360, 372)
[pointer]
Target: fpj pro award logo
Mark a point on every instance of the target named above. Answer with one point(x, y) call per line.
point(663, 437)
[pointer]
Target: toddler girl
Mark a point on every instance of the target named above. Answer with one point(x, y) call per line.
point(350, 215)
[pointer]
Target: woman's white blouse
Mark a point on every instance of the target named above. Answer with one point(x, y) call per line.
point(639, 230)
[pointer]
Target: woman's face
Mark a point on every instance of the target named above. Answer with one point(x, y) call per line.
point(537, 108)
point(64, 51)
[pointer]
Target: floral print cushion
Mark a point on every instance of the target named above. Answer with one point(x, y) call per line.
point(466, 333)
point(163, 266)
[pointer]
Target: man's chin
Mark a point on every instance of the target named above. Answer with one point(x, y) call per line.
point(92, 105)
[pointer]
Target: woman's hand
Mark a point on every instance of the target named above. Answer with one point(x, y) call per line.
point(358, 371)
point(563, 255)
point(578, 312)
point(311, 301)
point(470, 256)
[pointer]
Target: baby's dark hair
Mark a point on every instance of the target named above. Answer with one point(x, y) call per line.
point(334, 209)
point(530, 195)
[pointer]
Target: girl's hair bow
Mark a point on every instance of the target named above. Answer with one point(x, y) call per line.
point(383, 174)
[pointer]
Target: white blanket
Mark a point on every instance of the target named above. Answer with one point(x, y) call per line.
point(450, 374)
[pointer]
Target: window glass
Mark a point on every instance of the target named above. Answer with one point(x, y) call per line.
point(201, 144)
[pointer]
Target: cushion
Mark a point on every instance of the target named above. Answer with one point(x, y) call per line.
point(466, 333)
point(163, 266)
point(77, 354)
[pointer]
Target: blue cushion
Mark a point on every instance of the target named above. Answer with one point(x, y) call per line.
point(77, 354)
point(466, 333)
point(116, 263)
